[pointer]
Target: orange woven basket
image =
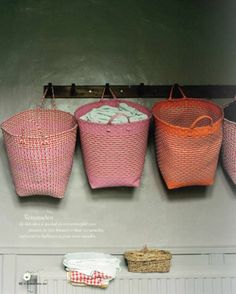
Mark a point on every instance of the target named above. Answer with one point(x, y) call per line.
point(188, 136)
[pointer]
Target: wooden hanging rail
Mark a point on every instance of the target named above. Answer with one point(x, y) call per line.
point(139, 91)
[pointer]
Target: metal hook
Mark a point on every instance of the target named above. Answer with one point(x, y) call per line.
point(175, 90)
point(50, 91)
point(107, 89)
point(141, 89)
point(73, 90)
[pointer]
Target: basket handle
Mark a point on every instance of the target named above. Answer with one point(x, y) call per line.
point(227, 104)
point(53, 107)
point(117, 115)
point(112, 93)
point(53, 101)
point(145, 248)
point(181, 91)
point(193, 125)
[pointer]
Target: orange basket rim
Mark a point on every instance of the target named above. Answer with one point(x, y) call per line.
point(175, 100)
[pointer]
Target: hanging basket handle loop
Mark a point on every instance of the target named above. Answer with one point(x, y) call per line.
point(118, 115)
point(172, 90)
point(171, 93)
point(193, 125)
point(182, 92)
point(145, 249)
point(53, 101)
point(110, 90)
point(35, 117)
point(227, 104)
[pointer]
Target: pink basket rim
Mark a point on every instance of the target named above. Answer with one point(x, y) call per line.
point(159, 103)
point(39, 137)
point(228, 104)
point(147, 112)
point(230, 121)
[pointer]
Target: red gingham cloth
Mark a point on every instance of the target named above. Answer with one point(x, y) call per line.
point(96, 279)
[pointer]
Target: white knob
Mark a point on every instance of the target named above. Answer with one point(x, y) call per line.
point(27, 276)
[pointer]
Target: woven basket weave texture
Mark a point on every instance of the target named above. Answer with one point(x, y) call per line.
point(188, 136)
point(229, 141)
point(113, 154)
point(148, 260)
point(40, 145)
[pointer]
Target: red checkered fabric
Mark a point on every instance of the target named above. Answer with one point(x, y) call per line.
point(96, 279)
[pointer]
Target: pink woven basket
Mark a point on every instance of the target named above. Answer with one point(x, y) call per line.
point(113, 154)
point(229, 141)
point(40, 145)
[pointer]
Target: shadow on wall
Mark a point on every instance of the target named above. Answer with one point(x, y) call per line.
point(5, 168)
point(186, 193)
point(228, 180)
point(124, 193)
point(41, 200)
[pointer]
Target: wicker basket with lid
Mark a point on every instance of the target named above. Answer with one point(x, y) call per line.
point(148, 260)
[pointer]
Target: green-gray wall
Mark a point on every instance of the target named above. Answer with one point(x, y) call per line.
point(120, 42)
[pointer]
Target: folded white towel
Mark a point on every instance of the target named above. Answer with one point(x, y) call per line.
point(103, 114)
point(89, 262)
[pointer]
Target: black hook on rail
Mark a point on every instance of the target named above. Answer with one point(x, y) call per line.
point(49, 89)
point(107, 89)
point(141, 90)
point(73, 90)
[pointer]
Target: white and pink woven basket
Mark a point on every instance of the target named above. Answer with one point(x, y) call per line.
point(40, 145)
point(229, 141)
point(113, 154)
